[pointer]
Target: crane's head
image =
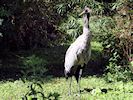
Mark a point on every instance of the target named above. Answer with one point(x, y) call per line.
point(86, 10)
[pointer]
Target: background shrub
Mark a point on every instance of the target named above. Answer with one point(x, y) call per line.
point(35, 67)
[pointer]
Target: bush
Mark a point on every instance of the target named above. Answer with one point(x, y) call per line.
point(116, 72)
point(118, 49)
point(34, 67)
point(72, 28)
point(117, 41)
point(30, 30)
point(35, 92)
point(101, 27)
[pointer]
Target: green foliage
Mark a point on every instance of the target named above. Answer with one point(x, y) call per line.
point(67, 6)
point(35, 91)
point(34, 70)
point(34, 66)
point(3, 12)
point(97, 49)
point(115, 35)
point(64, 7)
point(116, 5)
point(53, 96)
point(117, 72)
point(61, 9)
point(97, 46)
point(131, 63)
point(101, 27)
point(35, 23)
point(71, 27)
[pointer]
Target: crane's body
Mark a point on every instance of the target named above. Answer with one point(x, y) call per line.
point(79, 52)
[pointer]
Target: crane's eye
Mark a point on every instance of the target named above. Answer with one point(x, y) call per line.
point(86, 11)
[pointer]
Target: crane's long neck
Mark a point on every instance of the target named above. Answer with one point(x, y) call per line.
point(86, 23)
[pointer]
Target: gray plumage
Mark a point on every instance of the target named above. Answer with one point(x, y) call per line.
point(79, 52)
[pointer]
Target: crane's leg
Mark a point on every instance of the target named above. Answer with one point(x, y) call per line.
point(68, 75)
point(78, 77)
point(70, 86)
point(80, 73)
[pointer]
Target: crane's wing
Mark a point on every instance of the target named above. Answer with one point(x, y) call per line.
point(77, 53)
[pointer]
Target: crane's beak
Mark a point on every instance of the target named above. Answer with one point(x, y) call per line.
point(81, 13)
point(86, 10)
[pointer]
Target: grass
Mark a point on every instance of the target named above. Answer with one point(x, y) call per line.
point(14, 90)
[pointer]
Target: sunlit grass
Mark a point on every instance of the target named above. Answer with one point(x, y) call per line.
point(115, 91)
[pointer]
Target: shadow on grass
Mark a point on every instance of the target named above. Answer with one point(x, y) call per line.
point(11, 62)
point(103, 90)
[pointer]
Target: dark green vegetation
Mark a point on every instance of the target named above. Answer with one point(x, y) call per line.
point(35, 35)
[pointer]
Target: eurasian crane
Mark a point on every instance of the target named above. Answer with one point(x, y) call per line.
point(79, 52)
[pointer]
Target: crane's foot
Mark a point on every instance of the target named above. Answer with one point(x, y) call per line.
point(69, 93)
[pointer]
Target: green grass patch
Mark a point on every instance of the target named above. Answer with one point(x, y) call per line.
point(15, 90)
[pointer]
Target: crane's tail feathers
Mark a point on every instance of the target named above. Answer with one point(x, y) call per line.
point(67, 74)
